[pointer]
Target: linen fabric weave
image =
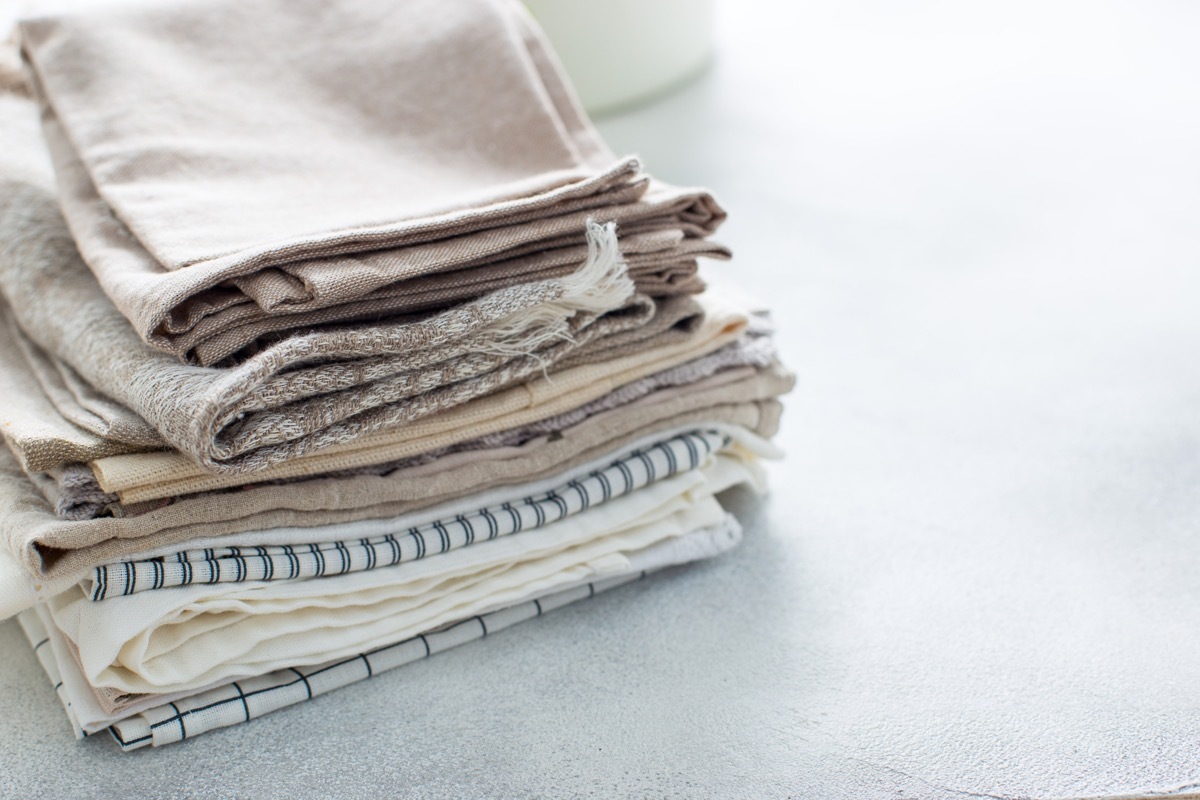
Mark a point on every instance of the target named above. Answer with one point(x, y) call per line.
point(221, 201)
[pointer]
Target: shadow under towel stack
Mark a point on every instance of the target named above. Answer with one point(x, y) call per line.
point(333, 336)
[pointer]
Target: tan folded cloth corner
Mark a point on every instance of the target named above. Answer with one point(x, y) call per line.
point(232, 170)
point(35, 430)
point(147, 476)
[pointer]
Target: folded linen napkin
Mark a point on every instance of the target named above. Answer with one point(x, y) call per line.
point(160, 719)
point(76, 494)
point(232, 169)
point(311, 390)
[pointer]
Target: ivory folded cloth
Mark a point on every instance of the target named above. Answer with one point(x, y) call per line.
point(77, 495)
point(46, 555)
point(165, 718)
point(233, 169)
point(193, 636)
point(148, 476)
point(651, 464)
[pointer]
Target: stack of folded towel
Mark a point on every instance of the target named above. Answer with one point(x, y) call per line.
point(334, 336)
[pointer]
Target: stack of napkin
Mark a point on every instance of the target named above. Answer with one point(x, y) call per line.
point(333, 336)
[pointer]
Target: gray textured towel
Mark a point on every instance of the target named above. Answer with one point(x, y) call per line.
point(76, 494)
point(310, 390)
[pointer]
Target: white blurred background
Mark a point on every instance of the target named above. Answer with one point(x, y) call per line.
point(979, 226)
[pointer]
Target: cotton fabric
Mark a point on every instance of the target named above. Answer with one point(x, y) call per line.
point(577, 493)
point(233, 169)
point(77, 495)
point(340, 338)
point(156, 641)
point(152, 720)
point(147, 476)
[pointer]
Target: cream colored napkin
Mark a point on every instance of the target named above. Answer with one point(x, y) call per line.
point(193, 636)
point(151, 719)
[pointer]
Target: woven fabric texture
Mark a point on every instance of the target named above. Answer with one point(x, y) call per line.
point(221, 199)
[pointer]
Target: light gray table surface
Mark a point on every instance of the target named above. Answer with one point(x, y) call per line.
point(976, 575)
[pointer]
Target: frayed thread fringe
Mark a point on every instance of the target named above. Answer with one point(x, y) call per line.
point(600, 285)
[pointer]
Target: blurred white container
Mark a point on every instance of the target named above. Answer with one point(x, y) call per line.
point(619, 52)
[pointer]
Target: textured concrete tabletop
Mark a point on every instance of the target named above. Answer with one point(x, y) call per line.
point(977, 574)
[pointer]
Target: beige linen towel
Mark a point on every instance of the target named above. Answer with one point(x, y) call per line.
point(237, 168)
point(38, 432)
point(76, 494)
point(308, 391)
point(145, 476)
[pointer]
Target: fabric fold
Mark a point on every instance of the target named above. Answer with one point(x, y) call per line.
point(305, 190)
point(192, 636)
point(311, 390)
point(151, 720)
point(527, 509)
point(51, 554)
point(77, 494)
